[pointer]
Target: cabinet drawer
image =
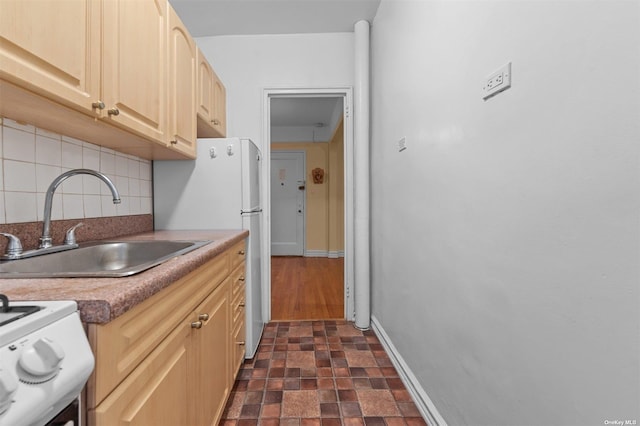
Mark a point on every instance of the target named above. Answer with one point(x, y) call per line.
point(238, 295)
point(238, 254)
point(124, 342)
point(237, 347)
point(238, 277)
point(238, 309)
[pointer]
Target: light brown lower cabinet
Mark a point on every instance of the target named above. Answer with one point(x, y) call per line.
point(172, 359)
point(209, 363)
point(156, 392)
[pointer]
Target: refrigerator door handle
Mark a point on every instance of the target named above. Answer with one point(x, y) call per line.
point(256, 210)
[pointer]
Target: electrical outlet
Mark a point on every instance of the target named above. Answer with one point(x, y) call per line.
point(402, 144)
point(497, 82)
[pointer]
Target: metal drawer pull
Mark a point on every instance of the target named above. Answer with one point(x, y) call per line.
point(241, 278)
point(197, 324)
point(241, 305)
point(240, 343)
point(98, 105)
point(203, 317)
point(113, 111)
point(241, 252)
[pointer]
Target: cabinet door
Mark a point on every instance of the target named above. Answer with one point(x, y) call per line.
point(156, 392)
point(211, 96)
point(219, 106)
point(59, 61)
point(210, 361)
point(134, 66)
point(205, 90)
point(182, 87)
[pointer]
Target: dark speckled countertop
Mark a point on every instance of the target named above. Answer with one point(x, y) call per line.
point(100, 300)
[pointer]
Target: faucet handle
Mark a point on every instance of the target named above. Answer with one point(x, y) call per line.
point(14, 246)
point(70, 237)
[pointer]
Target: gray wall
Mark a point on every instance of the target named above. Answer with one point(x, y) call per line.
point(505, 243)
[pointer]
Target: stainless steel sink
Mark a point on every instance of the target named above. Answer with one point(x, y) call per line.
point(99, 259)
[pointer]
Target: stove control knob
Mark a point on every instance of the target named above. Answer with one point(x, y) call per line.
point(8, 386)
point(43, 358)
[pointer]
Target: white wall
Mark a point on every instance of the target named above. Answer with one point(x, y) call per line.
point(249, 64)
point(505, 258)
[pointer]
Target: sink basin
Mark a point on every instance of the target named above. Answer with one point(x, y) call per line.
point(99, 259)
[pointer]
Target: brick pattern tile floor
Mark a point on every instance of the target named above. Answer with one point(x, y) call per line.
point(319, 373)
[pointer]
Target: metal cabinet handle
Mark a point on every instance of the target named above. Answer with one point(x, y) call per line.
point(240, 343)
point(203, 317)
point(174, 142)
point(216, 122)
point(241, 278)
point(113, 111)
point(241, 252)
point(197, 324)
point(241, 305)
point(98, 105)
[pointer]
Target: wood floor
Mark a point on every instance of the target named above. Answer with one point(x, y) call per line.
point(306, 288)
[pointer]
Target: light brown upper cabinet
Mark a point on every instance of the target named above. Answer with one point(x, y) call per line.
point(182, 87)
point(40, 54)
point(212, 98)
point(219, 106)
point(118, 73)
point(134, 60)
point(106, 59)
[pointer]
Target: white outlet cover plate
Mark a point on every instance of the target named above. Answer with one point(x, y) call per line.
point(497, 81)
point(402, 144)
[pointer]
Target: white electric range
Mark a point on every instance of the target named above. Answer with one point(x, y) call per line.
point(45, 361)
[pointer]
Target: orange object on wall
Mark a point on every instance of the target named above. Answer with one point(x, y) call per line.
point(318, 175)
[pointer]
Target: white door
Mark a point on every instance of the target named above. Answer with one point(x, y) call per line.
point(287, 203)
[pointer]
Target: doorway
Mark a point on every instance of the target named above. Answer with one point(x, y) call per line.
point(317, 179)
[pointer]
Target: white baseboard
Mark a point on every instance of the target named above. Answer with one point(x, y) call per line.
point(315, 253)
point(417, 392)
point(324, 253)
point(336, 254)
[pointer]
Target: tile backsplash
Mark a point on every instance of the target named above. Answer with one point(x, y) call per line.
point(31, 158)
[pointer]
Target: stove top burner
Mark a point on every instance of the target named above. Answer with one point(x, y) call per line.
point(12, 313)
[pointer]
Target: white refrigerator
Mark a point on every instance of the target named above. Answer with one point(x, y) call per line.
point(218, 190)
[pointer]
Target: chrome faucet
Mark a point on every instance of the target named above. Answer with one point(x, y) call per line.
point(45, 240)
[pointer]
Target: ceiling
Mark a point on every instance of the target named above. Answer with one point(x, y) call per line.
point(305, 119)
point(304, 111)
point(291, 118)
point(241, 17)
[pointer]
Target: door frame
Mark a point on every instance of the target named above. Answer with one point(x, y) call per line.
point(304, 199)
point(346, 93)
